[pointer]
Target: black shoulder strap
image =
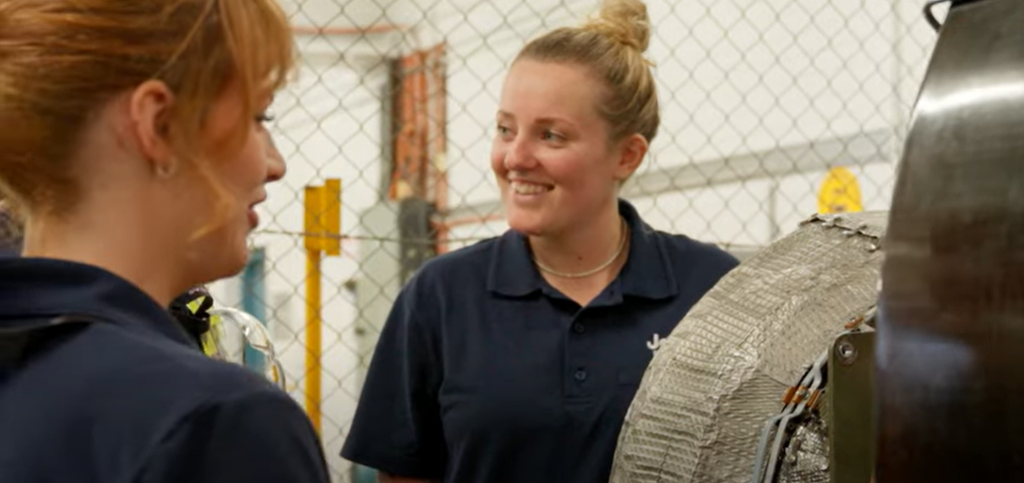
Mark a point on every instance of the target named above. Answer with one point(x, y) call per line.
point(17, 344)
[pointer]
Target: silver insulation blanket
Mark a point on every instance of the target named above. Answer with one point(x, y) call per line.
point(725, 369)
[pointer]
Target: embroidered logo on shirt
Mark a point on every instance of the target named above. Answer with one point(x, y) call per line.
point(655, 343)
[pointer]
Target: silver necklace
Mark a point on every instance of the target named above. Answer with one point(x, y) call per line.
point(615, 256)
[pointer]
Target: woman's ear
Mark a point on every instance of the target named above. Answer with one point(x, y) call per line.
point(150, 111)
point(632, 152)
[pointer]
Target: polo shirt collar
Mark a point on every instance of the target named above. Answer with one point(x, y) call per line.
point(35, 288)
point(645, 275)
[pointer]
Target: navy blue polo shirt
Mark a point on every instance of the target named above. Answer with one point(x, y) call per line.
point(486, 373)
point(130, 398)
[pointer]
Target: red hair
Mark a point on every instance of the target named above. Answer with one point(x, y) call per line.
point(63, 60)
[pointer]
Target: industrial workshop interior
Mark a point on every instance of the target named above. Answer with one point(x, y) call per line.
point(860, 162)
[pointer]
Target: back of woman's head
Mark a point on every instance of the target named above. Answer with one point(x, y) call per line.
point(61, 61)
point(612, 46)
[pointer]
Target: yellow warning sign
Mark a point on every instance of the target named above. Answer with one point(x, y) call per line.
point(840, 192)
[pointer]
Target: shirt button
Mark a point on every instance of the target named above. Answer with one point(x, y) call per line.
point(581, 375)
point(579, 328)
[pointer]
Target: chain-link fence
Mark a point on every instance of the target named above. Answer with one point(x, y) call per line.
point(772, 110)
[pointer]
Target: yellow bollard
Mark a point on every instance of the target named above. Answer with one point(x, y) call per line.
point(322, 238)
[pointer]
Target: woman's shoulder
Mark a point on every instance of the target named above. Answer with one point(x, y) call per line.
point(171, 367)
point(681, 247)
point(140, 386)
point(694, 263)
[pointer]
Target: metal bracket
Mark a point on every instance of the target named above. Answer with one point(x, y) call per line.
point(851, 430)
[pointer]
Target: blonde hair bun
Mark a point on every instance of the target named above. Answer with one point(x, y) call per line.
point(612, 46)
point(624, 22)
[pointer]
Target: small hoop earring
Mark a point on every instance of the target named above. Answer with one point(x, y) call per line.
point(167, 171)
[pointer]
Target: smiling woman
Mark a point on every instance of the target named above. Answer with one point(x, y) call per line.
point(124, 122)
point(516, 359)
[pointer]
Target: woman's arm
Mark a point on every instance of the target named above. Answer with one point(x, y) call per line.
point(397, 428)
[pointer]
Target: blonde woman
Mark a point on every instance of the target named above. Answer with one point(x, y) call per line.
point(515, 360)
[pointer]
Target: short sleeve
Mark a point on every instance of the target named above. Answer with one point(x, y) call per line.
point(262, 436)
point(397, 426)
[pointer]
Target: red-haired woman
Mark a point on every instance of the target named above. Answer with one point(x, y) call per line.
point(121, 121)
